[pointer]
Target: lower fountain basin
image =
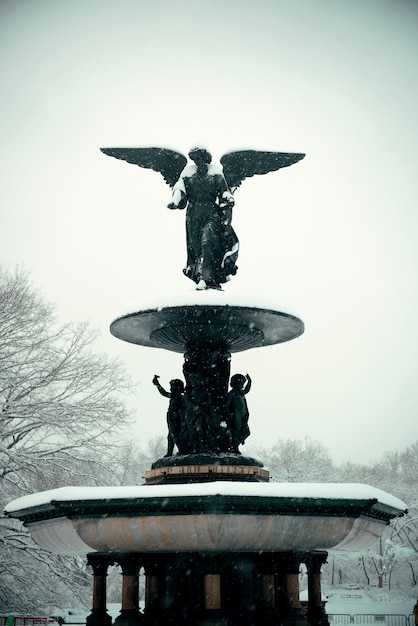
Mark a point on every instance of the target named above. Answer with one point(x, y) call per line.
point(207, 517)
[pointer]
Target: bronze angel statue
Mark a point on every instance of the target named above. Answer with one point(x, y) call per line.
point(207, 192)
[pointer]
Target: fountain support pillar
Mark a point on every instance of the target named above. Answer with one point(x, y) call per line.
point(154, 579)
point(212, 590)
point(316, 613)
point(99, 615)
point(293, 613)
point(130, 615)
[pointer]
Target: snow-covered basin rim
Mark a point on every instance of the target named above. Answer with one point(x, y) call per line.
point(341, 493)
point(207, 297)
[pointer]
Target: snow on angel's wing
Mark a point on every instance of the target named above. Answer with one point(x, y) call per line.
point(241, 164)
point(164, 160)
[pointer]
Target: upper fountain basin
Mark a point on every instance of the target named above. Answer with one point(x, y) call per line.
point(192, 318)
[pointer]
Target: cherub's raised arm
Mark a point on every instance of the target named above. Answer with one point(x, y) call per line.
point(160, 388)
point(247, 387)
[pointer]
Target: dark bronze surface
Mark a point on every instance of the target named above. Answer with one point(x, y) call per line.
point(206, 191)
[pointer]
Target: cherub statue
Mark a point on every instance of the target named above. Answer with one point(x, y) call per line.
point(175, 414)
point(237, 410)
point(207, 192)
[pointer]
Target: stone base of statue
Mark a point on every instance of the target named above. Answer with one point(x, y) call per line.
point(197, 468)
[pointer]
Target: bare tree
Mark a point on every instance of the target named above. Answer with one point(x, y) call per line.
point(131, 461)
point(61, 408)
point(293, 460)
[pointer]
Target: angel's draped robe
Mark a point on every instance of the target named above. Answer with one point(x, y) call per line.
point(212, 245)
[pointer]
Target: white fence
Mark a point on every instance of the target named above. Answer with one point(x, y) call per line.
point(384, 619)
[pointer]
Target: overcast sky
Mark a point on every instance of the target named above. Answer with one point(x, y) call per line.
point(334, 237)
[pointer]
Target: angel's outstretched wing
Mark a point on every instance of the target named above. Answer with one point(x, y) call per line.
point(168, 162)
point(241, 164)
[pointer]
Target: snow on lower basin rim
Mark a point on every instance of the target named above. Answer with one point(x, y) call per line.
point(330, 491)
point(207, 297)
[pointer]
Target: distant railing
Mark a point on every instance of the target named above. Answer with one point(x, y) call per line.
point(24, 620)
point(340, 618)
point(387, 619)
point(335, 619)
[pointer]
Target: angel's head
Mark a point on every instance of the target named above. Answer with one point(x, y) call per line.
point(200, 155)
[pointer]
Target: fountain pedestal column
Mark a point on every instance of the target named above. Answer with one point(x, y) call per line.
point(130, 615)
point(154, 584)
point(293, 613)
point(316, 614)
point(99, 615)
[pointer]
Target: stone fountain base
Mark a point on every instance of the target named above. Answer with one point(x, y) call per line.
point(220, 552)
point(217, 543)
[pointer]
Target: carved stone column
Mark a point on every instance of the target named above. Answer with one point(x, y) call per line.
point(316, 613)
point(129, 615)
point(268, 596)
point(99, 615)
point(154, 566)
point(212, 591)
point(293, 614)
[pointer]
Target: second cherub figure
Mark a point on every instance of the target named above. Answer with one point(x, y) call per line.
point(237, 410)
